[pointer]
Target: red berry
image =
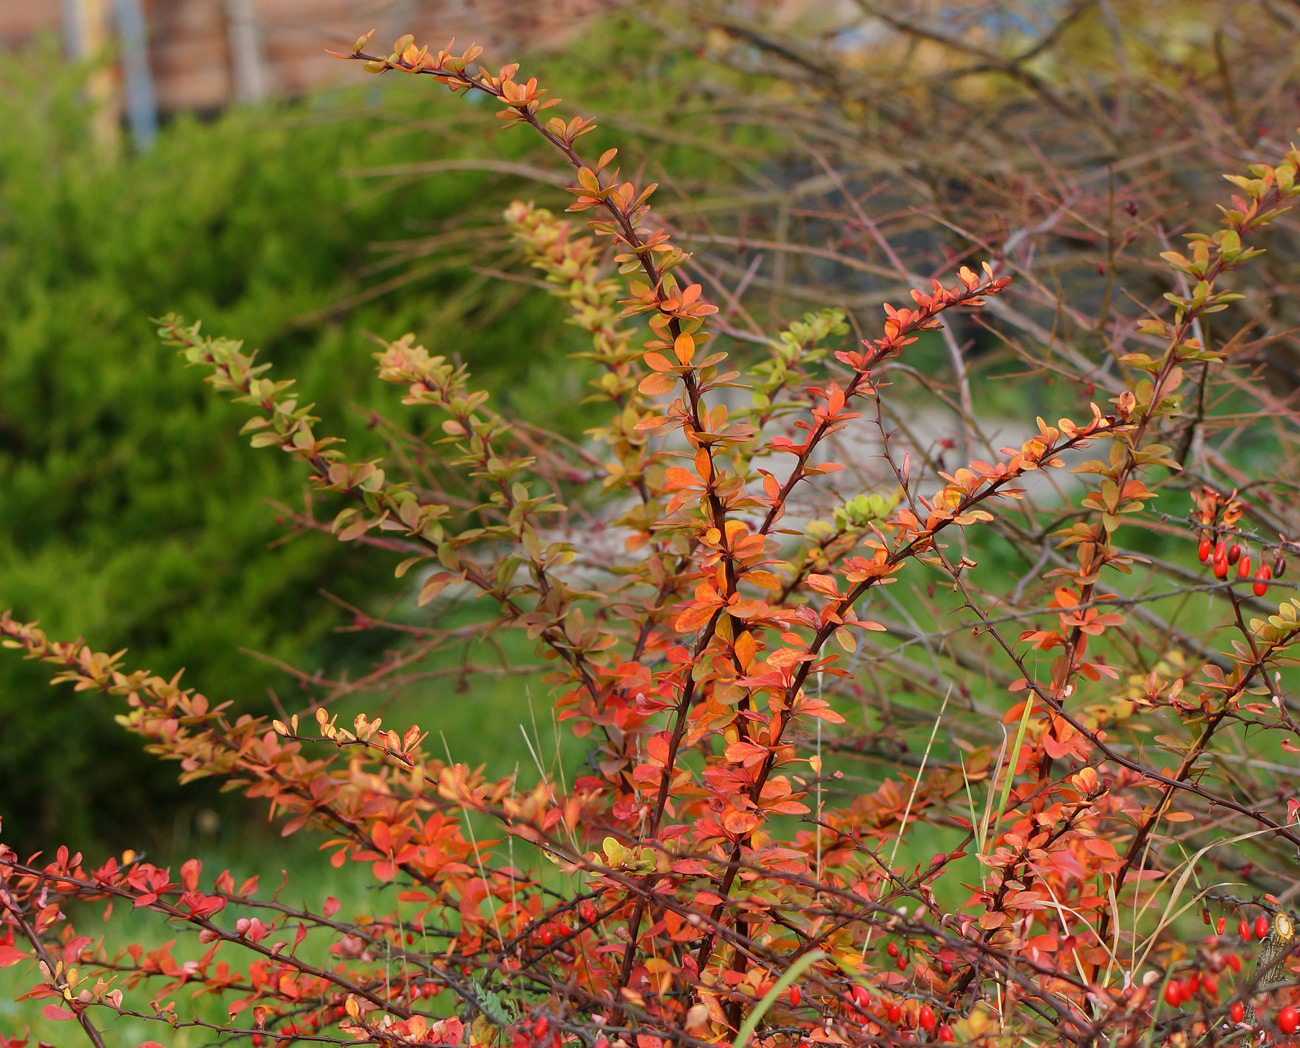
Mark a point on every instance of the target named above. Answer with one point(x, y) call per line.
point(1204, 549)
point(257, 1040)
point(926, 1018)
point(859, 997)
point(894, 1012)
point(900, 963)
point(1279, 566)
point(1243, 929)
point(892, 949)
point(1220, 567)
point(1221, 925)
point(947, 967)
point(1237, 1011)
point(946, 1034)
point(796, 995)
point(1288, 1019)
point(1234, 962)
point(1243, 568)
point(1234, 551)
point(1220, 550)
point(540, 1026)
point(1210, 984)
point(1173, 993)
point(1261, 927)
point(1192, 987)
point(1261, 577)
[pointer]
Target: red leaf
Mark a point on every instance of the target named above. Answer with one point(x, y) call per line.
point(9, 956)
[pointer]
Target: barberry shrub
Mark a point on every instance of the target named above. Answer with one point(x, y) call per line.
point(1105, 762)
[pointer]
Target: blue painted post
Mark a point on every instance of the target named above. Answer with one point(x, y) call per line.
point(141, 110)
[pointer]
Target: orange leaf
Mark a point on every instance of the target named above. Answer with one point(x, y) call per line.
point(746, 754)
point(745, 648)
point(739, 823)
point(656, 385)
point(684, 347)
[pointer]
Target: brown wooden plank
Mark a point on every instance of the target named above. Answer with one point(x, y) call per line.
point(19, 22)
point(189, 49)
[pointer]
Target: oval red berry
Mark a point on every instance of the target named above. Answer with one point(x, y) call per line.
point(926, 1018)
point(1243, 568)
point(1288, 1019)
point(1173, 993)
point(1237, 1011)
point(1204, 550)
point(1261, 926)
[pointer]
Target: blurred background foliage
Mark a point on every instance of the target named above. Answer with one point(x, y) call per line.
point(130, 512)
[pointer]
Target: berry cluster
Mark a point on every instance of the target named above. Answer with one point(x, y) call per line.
point(1222, 556)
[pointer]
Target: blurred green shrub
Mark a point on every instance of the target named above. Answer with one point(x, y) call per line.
point(116, 468)
point(119, 471)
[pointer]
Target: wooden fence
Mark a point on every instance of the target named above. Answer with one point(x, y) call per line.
point(205, 54)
